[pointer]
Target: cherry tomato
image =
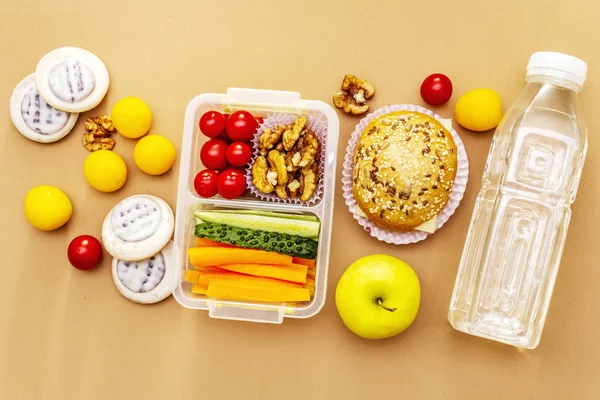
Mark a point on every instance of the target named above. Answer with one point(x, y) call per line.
point(205, 183)
point(260, 120)
point(436, 89)
point(84, 252)
point(212, 154)
point(212, 124)
point(241, 126)
point(231, 183)
point(238, 154)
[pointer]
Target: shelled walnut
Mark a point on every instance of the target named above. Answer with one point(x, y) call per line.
point(354, 95)
point(97, 133)
point(288, 164)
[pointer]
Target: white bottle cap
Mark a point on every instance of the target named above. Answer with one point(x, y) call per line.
point(558, 65)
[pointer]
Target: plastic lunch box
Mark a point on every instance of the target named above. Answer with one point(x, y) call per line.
point(260, 103)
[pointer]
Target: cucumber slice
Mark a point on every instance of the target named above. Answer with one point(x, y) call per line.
point(268, 214)
point(292, 245)
point(303, 228)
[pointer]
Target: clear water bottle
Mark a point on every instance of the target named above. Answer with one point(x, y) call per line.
point(519, 225)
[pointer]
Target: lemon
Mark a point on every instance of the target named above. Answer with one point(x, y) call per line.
point(478, 110)
point(132, 117)
point(105, 171)
point(47, 207)
point(154, 154)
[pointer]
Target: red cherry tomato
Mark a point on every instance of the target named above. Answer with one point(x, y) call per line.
point(205, 183)
point(436, 89)
point(260, 120)
point(212, 124)
point(241, 126)
point(239, 154)
point(231, 183)
point(212, 154)
point(84, 252)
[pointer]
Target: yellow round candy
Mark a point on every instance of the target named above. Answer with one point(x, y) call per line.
point(105, 171)
point(132, 117)
point(47, 207)
point(154, 154)
point(478, 110)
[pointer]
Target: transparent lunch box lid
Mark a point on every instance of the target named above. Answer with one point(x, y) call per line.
point(260, 103)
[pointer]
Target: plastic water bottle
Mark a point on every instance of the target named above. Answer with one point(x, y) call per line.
point(519, 225)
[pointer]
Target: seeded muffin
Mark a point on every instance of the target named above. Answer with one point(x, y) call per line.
point(404, 167)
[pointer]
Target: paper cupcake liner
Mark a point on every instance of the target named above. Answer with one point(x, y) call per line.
point(318, 125)
point(458, 188)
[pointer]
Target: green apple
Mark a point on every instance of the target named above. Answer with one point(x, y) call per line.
point(378, 296)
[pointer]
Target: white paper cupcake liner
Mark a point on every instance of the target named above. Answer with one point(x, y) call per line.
point(458, 188)
point(318, 125)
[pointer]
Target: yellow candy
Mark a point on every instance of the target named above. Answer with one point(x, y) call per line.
point(478, 110)
point(154, 154)
point(132, 117)
point(47, 207)
point(105, 171)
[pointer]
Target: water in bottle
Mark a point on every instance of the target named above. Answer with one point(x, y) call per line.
point(519, 225)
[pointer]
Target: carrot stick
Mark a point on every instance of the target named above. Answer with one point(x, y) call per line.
point(228, 276)
point(211, 256)
point(239, 291)
point(199, 289)
point(192, 276)
point(201, 242)
point(305, 261)
point(209, 270)
point(292, 272)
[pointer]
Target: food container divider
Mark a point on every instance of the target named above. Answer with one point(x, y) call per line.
point(259, 103)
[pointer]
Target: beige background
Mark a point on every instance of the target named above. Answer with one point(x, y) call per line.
point(67, 334)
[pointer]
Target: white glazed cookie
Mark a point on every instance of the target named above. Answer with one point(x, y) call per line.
point(146, 281)
point(138, 227)
point(34, 118)
point(72, 79)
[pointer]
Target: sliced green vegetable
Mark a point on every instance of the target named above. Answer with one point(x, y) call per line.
point(303, 228)
point(268, 214)
point(293, 245)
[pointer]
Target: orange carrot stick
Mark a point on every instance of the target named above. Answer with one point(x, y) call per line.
point(199, 289)
point(212, 256)
point(242, 292)
point(305, 261)
point(210, 270)
point(192, 276)
point(202, 242)
point(206, 279)
point(292, 272)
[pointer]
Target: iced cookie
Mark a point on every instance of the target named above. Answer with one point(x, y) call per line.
point(138, 227)
point(146, 281)
point(34, 118)
point(72, 79)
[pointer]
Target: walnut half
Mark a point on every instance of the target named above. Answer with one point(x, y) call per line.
point(354, 95)
point(309, 178)
point(98, 131)
point(260, 179)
